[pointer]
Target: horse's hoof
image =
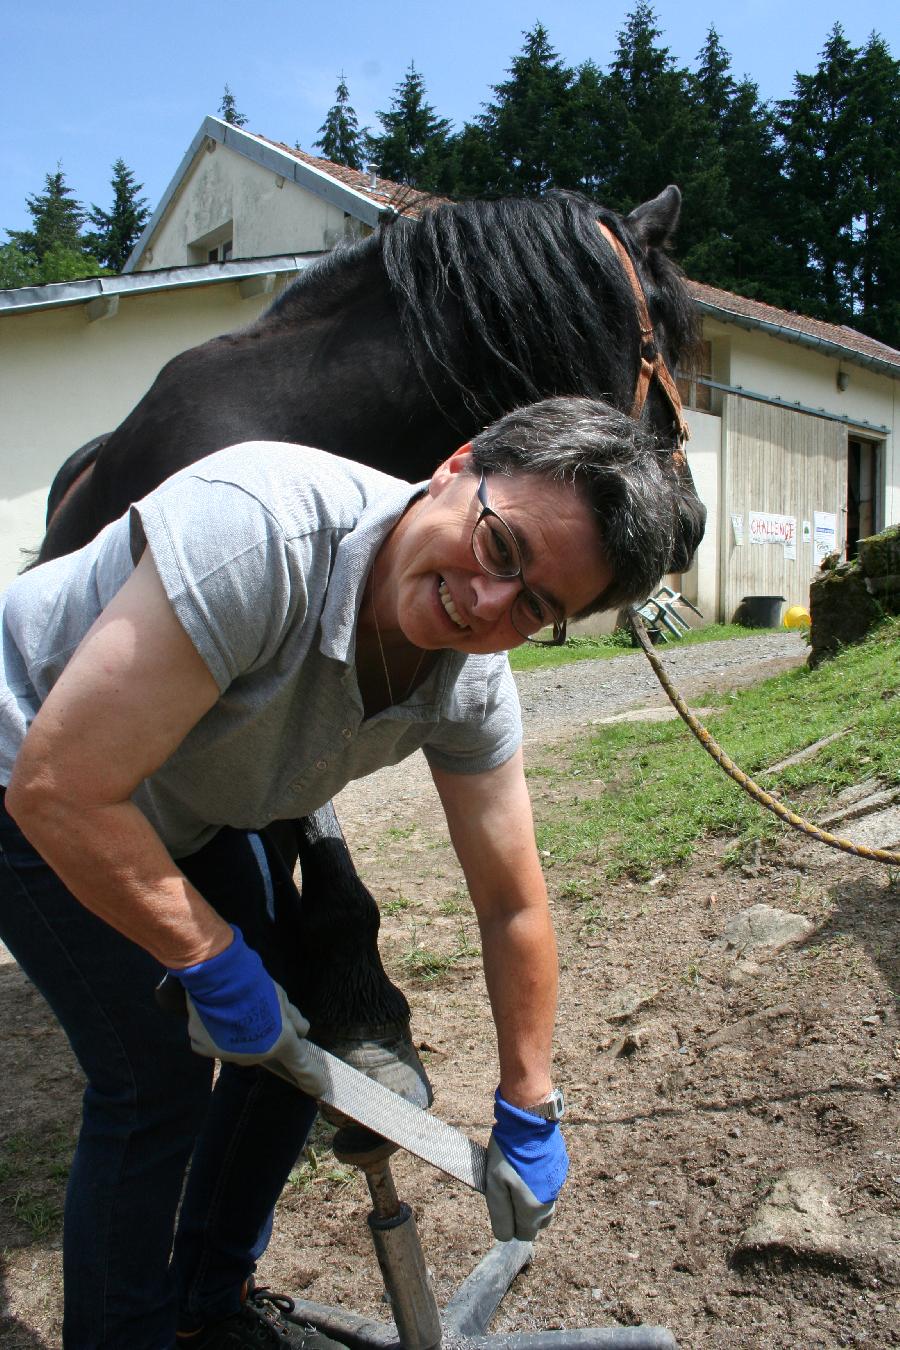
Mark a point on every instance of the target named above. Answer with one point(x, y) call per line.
point(385, 1053)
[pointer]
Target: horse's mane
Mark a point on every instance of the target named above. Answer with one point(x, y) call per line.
point(514, 300)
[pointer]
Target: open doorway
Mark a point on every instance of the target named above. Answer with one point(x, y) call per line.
point(863, 478)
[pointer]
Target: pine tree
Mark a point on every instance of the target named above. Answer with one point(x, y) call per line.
point(652, 134)
point(412, 146)
point(530, 124)
point(54, 248)
point(737, 226)
point(118, 230)
point(57, 219)
point(228, 110)
point(339, 135)
point(819, 129)
point(877, 290)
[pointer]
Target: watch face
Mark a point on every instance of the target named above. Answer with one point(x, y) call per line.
point(552, 1109)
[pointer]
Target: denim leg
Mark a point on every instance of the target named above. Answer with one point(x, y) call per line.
point(257, 1123)
point(145, 1100)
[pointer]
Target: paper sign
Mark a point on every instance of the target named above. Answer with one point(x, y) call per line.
point(768, 528)
point(807, 532)
point(737, 529)
point(825, 537)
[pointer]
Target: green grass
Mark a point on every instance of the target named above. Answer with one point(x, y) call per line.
point(608, 645)
point(659, 792)
point(33, 1171)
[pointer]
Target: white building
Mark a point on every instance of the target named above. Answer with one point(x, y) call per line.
point(794, 422)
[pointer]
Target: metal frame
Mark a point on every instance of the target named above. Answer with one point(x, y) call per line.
point(418, 1322)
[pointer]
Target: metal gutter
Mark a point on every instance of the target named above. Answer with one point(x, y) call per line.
point(777, 402)
point(269, 157)
point(22, 299)
point(787, 334)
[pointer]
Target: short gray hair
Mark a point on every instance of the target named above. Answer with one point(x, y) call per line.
point(630, 485)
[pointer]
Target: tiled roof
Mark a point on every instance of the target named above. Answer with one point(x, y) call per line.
point(726, 303)
point(406, 200)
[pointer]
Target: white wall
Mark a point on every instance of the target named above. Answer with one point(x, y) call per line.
point(270, 214)
point(768, 365)
point(64, 380)
point(701, 584)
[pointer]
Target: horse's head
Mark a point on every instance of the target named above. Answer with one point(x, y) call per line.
point(668, 332)
point(512, 301)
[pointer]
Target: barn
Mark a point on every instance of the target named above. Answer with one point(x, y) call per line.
point(793, 421)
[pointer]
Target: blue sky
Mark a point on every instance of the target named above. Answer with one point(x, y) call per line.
point(84, 84)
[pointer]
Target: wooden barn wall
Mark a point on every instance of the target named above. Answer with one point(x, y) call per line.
point(787, 463)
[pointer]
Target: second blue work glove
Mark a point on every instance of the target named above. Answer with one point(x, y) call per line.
point(527, 1164)
point(236, 1012)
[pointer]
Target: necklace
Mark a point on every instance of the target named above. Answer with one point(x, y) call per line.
point(387, 678)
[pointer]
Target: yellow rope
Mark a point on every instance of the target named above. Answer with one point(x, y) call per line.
point(881, 855)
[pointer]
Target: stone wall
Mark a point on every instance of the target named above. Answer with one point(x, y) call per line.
point(846, 599)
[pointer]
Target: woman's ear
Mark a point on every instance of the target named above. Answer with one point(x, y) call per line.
point(460, 458)
point(451, 466)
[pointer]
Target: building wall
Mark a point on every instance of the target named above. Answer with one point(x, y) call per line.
point(263, 213)
point(769, 365)
point(701, 584)
point(784, 464)
point(64, 380)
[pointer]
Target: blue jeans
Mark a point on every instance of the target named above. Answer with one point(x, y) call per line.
point(149, 1109)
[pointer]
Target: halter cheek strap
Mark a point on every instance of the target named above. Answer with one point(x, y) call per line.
point(652, 366)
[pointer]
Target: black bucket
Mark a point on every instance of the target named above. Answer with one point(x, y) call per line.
point(760, 611)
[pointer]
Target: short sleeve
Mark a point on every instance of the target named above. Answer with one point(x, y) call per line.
point(227, 571)
point(479, 744)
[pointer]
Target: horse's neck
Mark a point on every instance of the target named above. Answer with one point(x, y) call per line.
point(354, 385)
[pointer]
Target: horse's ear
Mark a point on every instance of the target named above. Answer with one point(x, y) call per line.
point(654, 223)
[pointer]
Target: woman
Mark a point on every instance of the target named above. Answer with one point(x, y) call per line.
point(264, 627)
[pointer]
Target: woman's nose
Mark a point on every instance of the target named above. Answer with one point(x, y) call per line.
point(494, 596)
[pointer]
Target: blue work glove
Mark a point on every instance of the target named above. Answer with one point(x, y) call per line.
point(236, 1012)
point(527, 1164)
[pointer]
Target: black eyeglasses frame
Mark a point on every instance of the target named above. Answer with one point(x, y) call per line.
point(559, 625)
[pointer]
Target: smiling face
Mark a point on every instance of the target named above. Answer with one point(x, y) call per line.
point(431, 589)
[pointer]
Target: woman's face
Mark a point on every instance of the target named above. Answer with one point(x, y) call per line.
point(431, 586)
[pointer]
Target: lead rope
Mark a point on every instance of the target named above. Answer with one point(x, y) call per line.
point(881, 855)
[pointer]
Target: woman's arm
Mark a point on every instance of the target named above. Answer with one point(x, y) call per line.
point(491, 825)
point(127, 698)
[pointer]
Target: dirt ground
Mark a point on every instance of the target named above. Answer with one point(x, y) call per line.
point(696, 1076)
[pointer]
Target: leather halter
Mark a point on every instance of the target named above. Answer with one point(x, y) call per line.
point(652, 367)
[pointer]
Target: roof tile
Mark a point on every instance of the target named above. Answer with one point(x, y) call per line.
point(406, 200)
point(841, 335)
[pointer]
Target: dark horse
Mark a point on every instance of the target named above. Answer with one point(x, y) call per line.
point(394, 351)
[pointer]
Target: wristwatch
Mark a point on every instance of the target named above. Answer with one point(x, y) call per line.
point(552, 1108)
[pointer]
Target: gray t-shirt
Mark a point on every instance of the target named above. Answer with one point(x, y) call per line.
point(263, 550)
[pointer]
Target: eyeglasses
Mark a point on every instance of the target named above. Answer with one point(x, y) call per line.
point(498, 554)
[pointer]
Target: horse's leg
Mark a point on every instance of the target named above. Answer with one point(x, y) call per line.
point(353, 1008)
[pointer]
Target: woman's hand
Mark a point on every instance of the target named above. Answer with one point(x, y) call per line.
point(527, 1164)
point(237, 1013)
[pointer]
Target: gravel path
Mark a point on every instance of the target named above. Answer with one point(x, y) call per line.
point(559, 701)
point(555, 702)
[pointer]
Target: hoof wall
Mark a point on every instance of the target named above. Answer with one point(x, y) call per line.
point(385, 1054)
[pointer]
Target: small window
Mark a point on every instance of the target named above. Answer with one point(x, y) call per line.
point(215, 246)
point(693, 384)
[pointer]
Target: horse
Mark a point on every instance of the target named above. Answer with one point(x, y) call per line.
point(393, 351)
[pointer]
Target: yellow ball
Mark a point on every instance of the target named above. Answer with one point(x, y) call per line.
point(797, 617)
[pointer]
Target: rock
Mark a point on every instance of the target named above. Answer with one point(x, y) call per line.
point(846, 599)
point(628, 1000)
point(799, 1218)
point(762, 926)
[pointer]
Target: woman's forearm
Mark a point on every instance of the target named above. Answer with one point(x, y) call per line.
point(115, 864)
point(520, 966)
